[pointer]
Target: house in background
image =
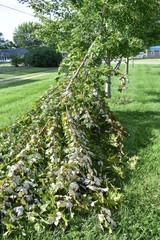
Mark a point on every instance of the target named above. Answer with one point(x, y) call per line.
point(5, 54)
point(153, 52)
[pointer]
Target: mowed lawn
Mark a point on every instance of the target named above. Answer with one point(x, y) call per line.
point(20, 88)
point(138, 110)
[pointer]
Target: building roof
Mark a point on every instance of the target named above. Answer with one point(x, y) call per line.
point(155, 48)
point(13, 52)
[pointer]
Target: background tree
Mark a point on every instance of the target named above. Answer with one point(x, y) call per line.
point(24, 35)
point(5, 44)
point(2, 41)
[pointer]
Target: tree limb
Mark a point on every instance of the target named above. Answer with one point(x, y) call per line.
point(118, 64)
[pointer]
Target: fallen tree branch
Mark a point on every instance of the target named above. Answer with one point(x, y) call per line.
point(80, 67)
point(72, 80)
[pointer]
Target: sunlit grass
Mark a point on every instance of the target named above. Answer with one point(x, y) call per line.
point(18, 97)
point(138, 109)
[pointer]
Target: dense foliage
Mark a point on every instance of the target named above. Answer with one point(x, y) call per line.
point(16, 60)
point(43, 57)
point(24, 35)
point(5, 44)
point(63, 156)
point(128, 26)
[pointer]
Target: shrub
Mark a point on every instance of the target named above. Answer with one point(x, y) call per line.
point(43, 57)
point(16, 60)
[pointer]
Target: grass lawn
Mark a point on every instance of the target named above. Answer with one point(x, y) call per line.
point(8, 71)
point(19, 96)
point(138, 110)
point(146, 60)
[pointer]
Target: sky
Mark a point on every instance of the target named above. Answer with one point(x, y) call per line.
point(10, 19)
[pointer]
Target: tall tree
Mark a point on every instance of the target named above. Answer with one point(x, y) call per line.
point(24, 35)
point(125, 26)
point(5, 44)
point(2, 41)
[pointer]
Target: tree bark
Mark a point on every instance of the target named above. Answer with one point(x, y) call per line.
point(133, 62)
point(127, 66)
point(108, 79)
point(118, 64)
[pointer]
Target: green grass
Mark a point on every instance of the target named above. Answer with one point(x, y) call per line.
point(8, 71)
point(138, 109)
point(144, 60)
point(18, 97)
point(138, 216)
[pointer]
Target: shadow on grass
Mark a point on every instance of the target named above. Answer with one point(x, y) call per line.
point(138, 216)
point(155, 97)
point(156, 65)
point(140, 126)
point(25, 70)
point(18, 82)
point(156, 73)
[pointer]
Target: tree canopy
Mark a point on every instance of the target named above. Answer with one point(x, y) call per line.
point(5, 44)
point(124, 27)
point(24, 35)
point(122, 22)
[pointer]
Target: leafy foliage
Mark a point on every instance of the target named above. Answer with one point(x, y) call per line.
point(64, 156)
point(127, 26)
point(16, 60)
point(43, 57)
point(24, 35)
point(5, 44)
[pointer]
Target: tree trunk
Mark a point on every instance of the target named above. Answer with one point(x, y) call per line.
point(127, 66)
point(108, 79)
point(118, 64)
point(133, 62)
